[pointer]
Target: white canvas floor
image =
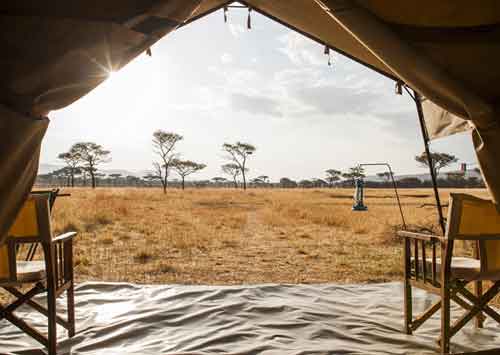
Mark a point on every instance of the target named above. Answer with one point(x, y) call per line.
point(263, 319)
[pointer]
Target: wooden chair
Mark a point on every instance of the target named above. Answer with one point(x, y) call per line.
point(32, 248)
point(52, 276)
point(469, 219)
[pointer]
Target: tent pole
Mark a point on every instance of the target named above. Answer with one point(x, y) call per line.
point(418, 101)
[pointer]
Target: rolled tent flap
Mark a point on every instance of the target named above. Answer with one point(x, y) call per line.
point(441, 123)
point(20, 147)
point(487, 146)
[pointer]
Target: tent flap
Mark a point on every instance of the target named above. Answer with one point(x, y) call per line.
point(441, 123)
point(20, 147)
point(487, 146)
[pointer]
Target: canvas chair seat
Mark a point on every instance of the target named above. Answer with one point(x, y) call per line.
point(30, 271)
point(462, 268)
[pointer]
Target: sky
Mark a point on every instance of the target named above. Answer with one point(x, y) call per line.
point(216, 82)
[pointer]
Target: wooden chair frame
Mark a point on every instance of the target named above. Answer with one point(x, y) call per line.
point(58, 257)
point(417, 273)
point(52, 200)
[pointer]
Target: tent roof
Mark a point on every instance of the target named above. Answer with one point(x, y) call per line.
point(460, 36)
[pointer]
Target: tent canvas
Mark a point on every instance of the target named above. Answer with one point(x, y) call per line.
point(54, 52)
point(119, 318)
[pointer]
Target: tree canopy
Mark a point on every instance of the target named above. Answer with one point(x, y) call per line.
point(238, 153)
point(439, 160)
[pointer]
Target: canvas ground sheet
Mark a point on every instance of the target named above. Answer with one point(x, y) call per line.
point(118, 318)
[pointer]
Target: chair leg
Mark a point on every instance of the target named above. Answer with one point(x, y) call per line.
point(478, 291)
point(52, 326)
point(71, 310)
point(408, 309)
point(50, 267)
point(445, 319)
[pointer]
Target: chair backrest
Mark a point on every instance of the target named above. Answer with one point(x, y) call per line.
point(32, 224)
point(473, 217)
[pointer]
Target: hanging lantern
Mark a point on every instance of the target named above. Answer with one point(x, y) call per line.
point(225, 14)
point(249, 20)
point(358, 196)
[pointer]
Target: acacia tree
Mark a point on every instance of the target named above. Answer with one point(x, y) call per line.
point(238, 154)
point(115, 178)
point(386, 176)
point(354, 173)
point(332, 176)
point(233, 170)
point(219, 180)
point(164, 147)
point(456, 178)
point(149, 178)
point(264, 179)
point(72, 160)
point(63, 176)
point(158, 175)
point(439, 160)
point(91, 155)
point(186, 167)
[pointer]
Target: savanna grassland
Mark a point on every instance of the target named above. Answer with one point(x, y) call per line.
point(228, 236)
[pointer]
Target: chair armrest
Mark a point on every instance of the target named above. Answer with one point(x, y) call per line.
point(480, 237)
point(64, 237)
point(24, 240)
point(420, 236)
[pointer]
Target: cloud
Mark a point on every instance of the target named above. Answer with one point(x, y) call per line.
point(301, 50)
point(257, 105)
point(337, 100)
point(226, 58)
point(403, 123)
point(236, 29)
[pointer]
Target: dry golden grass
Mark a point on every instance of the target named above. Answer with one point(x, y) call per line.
point(226, 236)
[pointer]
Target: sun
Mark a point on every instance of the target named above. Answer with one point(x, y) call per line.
point(111, 74)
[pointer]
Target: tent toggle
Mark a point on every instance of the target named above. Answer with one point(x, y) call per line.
point(327, 52)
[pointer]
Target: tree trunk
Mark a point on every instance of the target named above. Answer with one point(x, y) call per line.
point(235, 183)
point(244, 179)
point(165, 182)
point(183, 182)
point(92, 177)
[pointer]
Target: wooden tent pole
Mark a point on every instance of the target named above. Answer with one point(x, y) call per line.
point(418, 102)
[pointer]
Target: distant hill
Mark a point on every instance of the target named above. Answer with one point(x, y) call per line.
point(423, 177)
point(47, 168)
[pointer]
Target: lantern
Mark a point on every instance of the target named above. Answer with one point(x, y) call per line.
point(358, 196)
